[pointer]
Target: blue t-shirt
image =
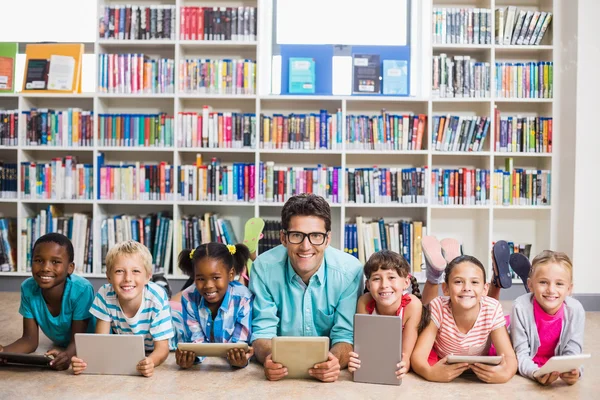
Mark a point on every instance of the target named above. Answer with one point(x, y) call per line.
point(77, 299)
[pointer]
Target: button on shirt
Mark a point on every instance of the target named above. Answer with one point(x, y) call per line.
point(285, 306)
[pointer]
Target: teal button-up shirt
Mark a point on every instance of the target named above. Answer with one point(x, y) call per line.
point(285, 306)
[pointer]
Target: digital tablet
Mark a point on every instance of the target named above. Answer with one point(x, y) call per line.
point(34, 360)
point(110, 354)
point(378, 343)
point(212, 349)
point(490, 360)
point(299, 353)
point(562, 364)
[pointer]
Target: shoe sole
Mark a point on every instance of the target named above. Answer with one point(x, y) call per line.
point(521, 265)
point(451, 249)
point(502, 256)
point(433, 252)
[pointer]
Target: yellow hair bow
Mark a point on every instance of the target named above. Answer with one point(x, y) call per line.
point(231, 249)
point(192, 254)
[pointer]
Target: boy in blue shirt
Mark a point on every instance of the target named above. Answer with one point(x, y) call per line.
point(54, 300)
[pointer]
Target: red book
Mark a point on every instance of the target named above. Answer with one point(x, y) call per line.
point(194, 24)
point(201, 23)
point(228, 138)
point(281, 179)
point(182, 18)
point(146, 131)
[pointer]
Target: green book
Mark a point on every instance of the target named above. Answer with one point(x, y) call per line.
point(8, 57)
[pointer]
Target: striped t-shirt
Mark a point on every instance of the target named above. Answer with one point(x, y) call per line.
point(476, 342)
point(153, 319)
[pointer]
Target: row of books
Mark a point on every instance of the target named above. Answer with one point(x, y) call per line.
point(77, 227)
point(363, 238)
point(217, 23)
point(462, 25)
point(301, 131)
point(136, 130)
point(521, 186)
point(132, 22)
point(135, 74)
point(216, 181)
point(386, 185)
point(459, 133)
point(210, 227)
point(525, 80)
point(9, 127)
point(462, 186)
point(523, 134)
point(60, 179)
point(135, 181)
point(385, 132)
point(278, 183)
point(211, 129)
point(8, 180)
point(527, 27)
point(204, 76)
point(271, 236)
point(460, 76)
point(155, 231)
point(71, 127)
point(8, 244)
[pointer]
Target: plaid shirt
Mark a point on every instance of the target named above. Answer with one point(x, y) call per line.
point(232, 324)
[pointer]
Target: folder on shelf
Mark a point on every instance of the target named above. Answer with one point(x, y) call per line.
point(8, 55)
point(53, 68)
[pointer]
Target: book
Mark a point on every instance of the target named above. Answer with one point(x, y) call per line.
point(218, 23)
point(448, 25)
point(302, 131)
point(132, 22)
point(385, 131)
point(524, 80)
point(521, 186)
point(301, 75)
point(210, 129)
point(510, 24)
point(8, 180)
point(9, 127)
point(527, 27)
point(64, 76)
point(61, 73)
point(460, 76)
point(460, 186)
point(8, 56)
point(136, 130)
point(523, 134)
point(36, 77)
point(47, 127)
point(395, 77)
point(135, 74)
point(366, 74)
point(63, 178)
point(386, 185)
point(459, 133)
point(518, 27)
point(545, 26)
point(271, 238)
point(205, 76)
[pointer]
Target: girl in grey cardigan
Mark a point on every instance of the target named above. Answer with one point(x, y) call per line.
point(548, 309)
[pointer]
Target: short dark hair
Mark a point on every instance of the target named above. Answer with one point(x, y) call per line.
point(60, 240)
point(216, 251)
point(306, 204)
point(462, 259)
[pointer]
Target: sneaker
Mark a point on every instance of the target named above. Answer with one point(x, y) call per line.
point(161, 281)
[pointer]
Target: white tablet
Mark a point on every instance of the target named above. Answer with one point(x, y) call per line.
point(299, 353)
point(562, 364)
point(110, 354)
point(490, 360)
point(212, 349)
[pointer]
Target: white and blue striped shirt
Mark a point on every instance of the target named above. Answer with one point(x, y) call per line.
point(153, 319)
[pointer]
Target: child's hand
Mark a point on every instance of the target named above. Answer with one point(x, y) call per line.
point(274, 371)
point(146, 367)
point(492, 373)
point(239, 358)
point(442, 372)
point(61, 359)
point(185, 359)
point(402, 370)
point(353, 362)
point(547, 379)
point(570, 378)
point(327, 371)
point(78, 365)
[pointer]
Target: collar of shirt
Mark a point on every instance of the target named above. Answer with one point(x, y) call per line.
point(224, 304)
point(318, 277)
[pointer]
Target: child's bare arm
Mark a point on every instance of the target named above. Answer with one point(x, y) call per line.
point(412, 318)
point(28, 342)
point(157, 357)
point(62, 359)
point(361, 305)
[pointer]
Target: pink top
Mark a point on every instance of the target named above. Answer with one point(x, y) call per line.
point(549, 328)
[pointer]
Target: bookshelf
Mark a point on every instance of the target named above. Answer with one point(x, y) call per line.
point(476, 226)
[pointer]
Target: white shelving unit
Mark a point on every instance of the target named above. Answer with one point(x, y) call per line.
point(475, 226)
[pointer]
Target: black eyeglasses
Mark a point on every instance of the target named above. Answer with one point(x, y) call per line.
point(315, 238)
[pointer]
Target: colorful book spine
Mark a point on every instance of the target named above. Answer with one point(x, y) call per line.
point(459, 133)
point(460, 77)
point(522, 187)
point(385, 131)
point(8, 180)
point(386, 185)
point(278, 183)
point(301, 131)
point(71, 127)
point(462, 25)
point(216, 181)
point(217, 23)
point(271, 238)
point(135, 74)
point(461, 186)
point(133, 22)
point(8, 245)
point(515, 133)
point(524, 80)
point(60, 179)
point(9, 127)
point(135, 181)
point(203, 76)
point(136, 130)
point(210, 129)
point(210, 228)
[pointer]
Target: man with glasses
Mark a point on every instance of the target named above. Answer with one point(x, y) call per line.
point(305, 288)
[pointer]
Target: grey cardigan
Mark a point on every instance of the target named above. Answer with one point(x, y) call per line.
point(525, 338)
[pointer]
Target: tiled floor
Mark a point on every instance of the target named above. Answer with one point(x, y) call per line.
point(217, 380)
